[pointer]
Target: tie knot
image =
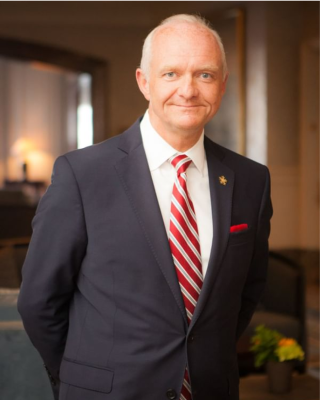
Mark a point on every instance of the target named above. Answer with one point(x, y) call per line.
point(180, 163)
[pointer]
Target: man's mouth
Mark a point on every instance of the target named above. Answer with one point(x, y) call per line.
point(187, 105)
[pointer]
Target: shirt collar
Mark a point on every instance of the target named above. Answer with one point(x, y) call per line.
point(158, 151)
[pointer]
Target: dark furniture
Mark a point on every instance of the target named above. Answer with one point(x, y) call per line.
point(12, 255)
point(16, 214)
point(282, 308)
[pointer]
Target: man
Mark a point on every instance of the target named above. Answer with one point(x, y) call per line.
point(149, 251)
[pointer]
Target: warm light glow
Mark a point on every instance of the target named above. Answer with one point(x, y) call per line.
point(39, 166)
point(41, 66)
point(14, 169)
point(22, 147)
point(39, 163)
point(2, 174)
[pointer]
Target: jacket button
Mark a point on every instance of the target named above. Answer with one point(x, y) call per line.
point(171, 394)
point(190, 338)
point(53, 382)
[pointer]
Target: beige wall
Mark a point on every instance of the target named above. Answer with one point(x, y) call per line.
point(292, 147)
point(310, 20)
point(121, 48)
point(34, 107)
point(114, 33)
point(3, 136)
point(283, 42)
point(256, 82)
point(309, 146)
point(309, 128)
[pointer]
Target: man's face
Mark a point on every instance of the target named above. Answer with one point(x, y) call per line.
point(186, 82)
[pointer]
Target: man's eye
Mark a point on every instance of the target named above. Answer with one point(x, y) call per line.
point(170, 74)
point(205, 75)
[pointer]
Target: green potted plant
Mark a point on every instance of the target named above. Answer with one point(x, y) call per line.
point(277, 352)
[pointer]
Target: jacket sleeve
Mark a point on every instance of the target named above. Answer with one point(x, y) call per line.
point(257, 275)
point(49, 274)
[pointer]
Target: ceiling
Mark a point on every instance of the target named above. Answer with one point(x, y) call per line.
point(104, 13)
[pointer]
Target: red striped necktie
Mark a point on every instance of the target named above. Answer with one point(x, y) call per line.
point(185, 247)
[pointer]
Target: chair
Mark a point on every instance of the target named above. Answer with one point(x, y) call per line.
point(282, 308)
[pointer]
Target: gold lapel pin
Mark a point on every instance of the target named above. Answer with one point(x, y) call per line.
point(223, 181)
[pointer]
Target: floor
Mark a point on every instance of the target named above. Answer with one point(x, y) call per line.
point(304, 387)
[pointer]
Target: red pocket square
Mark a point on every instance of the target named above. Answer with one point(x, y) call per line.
point(238, 228)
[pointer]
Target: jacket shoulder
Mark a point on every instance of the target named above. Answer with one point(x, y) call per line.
point(108, 151)
point(237, 162)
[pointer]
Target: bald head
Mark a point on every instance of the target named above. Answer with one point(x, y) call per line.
point(179, 23)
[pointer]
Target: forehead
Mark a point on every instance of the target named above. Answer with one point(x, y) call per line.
point(184, 39)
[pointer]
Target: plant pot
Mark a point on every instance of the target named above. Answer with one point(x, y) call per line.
point(279, 376)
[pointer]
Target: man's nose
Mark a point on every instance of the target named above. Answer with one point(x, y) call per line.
point(187, 88)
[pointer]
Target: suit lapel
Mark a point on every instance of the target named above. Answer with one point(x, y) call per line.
point(221, 205)
point(135, 176)
point(134, 173)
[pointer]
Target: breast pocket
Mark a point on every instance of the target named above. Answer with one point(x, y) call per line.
point(237, 260)
point(242, 237)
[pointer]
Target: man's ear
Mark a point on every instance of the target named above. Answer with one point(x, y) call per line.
point(143, 83)
point(224, 84)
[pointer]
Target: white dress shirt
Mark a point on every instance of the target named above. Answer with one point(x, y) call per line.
point(163, 174)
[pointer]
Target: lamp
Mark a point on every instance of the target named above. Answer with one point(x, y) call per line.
point(39, 166)
point(36, 169)
point(20, 150)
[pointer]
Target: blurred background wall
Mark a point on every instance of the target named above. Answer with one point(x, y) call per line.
point(281, 87)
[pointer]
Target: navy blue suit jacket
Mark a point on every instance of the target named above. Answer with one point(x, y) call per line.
point(100, 298)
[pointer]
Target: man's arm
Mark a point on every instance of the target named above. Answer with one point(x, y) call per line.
point(257, 275)
point(49, 274)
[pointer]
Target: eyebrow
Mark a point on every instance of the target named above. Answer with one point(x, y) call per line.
point(168, 68)
point(210, 68)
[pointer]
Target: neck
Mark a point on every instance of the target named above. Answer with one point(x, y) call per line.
point(181, 143)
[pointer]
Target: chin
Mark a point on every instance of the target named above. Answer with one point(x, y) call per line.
point(190, 123)
point(190, 128)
